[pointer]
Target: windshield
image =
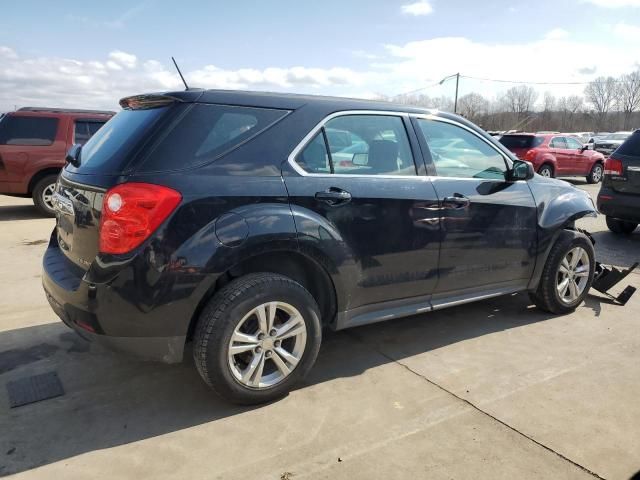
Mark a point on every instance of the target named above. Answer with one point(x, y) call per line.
point(107, 151)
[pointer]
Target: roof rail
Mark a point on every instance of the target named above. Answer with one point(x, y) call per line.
point(65, 110)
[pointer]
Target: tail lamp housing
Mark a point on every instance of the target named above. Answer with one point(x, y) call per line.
point(613, 167)
point(131, 212)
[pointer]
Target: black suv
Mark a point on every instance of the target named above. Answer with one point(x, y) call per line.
point(246, 222)
point(619, 196)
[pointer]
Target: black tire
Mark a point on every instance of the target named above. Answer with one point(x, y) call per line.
point(225, 311)
point(544, 169)
point(595, 175)
point(546, 297)
point(620, 226)
point(37, 194)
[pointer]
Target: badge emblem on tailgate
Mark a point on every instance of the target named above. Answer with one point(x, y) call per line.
point(62, 204)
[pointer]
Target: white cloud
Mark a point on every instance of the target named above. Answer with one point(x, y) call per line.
point(422, 7)
point(614, 3)
point(627, 32)
point(557, 34)
point(123, 58)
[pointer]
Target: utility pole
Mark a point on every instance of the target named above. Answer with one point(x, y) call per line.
point(455, 104)
point(457, 75)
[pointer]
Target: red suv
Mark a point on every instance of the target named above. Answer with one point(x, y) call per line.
point(556, 155)
point(33, 147)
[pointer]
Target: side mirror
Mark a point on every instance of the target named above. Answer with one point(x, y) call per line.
point(521, 171)
point(73, 155)
point(584, 147)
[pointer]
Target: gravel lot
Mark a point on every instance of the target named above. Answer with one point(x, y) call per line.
point(494, 389)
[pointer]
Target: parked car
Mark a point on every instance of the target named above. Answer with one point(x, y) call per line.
point(220, 218)
point(556, 155)
point(607, 144)
point(33, 144)
point(619, 196)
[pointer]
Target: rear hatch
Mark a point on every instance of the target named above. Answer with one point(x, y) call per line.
point(520, 144)
point(622, 169)
point(105, 160)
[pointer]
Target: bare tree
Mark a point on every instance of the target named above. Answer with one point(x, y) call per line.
point(629, 96)
point(602, 94)
point(473, 105)
point(520, 100)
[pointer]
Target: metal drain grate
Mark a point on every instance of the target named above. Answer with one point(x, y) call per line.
point(34, 389)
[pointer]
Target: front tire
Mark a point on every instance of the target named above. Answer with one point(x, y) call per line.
point(43, 195)
point(257, 338)
point(620, 226)
point(595, 176)
point(546, 171)
point(567, 275)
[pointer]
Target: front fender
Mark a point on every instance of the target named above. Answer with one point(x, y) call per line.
point(559, 204)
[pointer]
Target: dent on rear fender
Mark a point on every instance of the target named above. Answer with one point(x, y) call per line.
point(559, 203)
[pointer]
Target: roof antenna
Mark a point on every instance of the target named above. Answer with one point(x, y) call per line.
point(186, 87)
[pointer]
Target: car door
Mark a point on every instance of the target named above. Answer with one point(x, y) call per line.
point(488, 223)
point(579, 160)
point(564, 160)
point(377, 208)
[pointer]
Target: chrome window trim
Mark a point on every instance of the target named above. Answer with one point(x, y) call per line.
point(343, 113)
point(389, 113)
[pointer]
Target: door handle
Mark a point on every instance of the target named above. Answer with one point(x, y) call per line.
point(456, 202)
point(334, 196)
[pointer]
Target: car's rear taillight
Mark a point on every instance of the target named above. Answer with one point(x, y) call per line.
point(131, 212)
point(612, 167)
point(530, 155)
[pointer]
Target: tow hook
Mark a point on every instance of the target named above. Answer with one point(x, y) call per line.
point(607, 276)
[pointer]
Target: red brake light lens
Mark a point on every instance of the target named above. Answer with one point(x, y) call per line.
point(131, 212)
point(612, 167)
point(530, 155)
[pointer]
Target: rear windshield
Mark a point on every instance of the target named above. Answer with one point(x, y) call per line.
point(30, 131)
point(617, 136)
point(521, 141)
point(631, 147)
point(108, 151)
point(206, 132)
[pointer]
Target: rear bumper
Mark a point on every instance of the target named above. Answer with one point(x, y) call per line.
point(89, 309)
point(619, 205)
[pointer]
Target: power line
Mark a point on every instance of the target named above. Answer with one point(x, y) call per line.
point(499, 80)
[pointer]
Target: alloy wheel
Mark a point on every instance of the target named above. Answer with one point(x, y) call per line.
point(267, 345)
point(596, 175)
point(47, 195)
point(573, 275)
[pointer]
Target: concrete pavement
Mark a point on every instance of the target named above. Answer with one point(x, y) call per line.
point(492, 390)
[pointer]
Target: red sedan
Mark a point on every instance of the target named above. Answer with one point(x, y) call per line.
point(556, 155)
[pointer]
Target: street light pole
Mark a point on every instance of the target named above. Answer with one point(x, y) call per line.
point(455, 104)
point(457, 75)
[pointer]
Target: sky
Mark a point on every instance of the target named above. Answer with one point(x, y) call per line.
point(90, 54)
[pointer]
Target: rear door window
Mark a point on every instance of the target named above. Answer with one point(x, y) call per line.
point(558, 142)
point(360, 145)
point(28, 131)
point(206, 132)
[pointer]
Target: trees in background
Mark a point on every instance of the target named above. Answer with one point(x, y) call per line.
point(608, 104)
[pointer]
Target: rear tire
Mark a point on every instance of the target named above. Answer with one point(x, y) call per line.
point(620, 226)
point(546, 171)
point(43, 194)
point(571, 259)
point(241, 348)
point(595, 176)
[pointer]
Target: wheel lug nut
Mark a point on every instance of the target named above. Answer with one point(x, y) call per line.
point(276, 343)
point(261, 336)
point(273, 332)
point(268, 354)
point(258, 349)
